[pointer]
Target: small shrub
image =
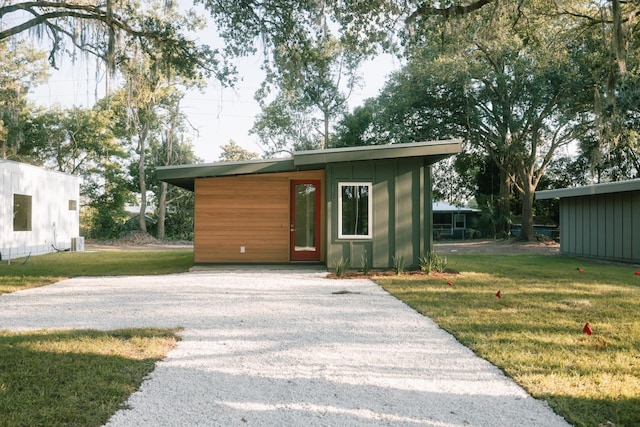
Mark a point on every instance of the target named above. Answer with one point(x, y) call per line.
point(342, 265)
point(432, 262)
point(366, 267)
point(398, 264)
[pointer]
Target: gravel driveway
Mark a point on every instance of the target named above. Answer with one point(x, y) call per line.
point(272, 347)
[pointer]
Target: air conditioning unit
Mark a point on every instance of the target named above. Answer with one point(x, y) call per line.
point(77, 244)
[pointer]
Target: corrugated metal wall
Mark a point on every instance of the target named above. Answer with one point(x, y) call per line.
point(605, 226)
point(401, 212)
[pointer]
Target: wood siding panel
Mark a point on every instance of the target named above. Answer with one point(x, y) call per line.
point(250, 211)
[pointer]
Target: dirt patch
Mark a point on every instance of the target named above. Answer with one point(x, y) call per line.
point(137, 240)
point(502, 246)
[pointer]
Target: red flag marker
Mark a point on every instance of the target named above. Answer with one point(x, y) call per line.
point(450, 283)
point(499, 294)
point(587, 329)
point(637, 273)
point(580, 270)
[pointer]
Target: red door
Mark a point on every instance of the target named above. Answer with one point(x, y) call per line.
point(305, 220)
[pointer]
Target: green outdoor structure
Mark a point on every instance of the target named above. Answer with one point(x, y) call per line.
point(362, 204)
point(600, 221)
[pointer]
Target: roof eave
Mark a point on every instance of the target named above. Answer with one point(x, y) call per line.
point(590, 190)
point(184, 175)
point(434, 150)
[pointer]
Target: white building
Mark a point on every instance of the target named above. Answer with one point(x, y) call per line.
point(39, 210)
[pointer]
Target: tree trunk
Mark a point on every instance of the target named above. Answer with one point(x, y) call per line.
point(326, 130)
point(162, 207)
point(142, 181)
point(526, 232)
point(503, 227)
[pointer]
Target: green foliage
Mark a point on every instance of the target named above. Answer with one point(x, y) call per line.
point(115, 33)
point(22, 67)
point(398, 264)
point(106, 207)
point(74, 377)
point(284, 127)
point(492, 222)
point(354, 129)
point(179, 220)
point(534, 331)
point(431, 261)
point(232, 152)
point(366, 264)
point(341, 266)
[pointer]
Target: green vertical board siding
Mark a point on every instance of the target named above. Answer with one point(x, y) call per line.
point(598, 226)
point(609, 223)
point(580, 227)
point(618, 225)
point(627, 225)
point(605, 226)
point(593, 218)
point(586, 221)
point(401, 189)
point(427, 204)
point(404, 204)
point(635, 226)
point(383, 211)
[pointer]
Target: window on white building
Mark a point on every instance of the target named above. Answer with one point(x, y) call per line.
point(21, 212)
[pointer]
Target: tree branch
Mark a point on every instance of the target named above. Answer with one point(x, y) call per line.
point(446, 12)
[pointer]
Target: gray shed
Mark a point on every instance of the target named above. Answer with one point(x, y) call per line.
point(600, 221)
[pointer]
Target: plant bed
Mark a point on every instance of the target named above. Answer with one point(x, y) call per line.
point(355, 274)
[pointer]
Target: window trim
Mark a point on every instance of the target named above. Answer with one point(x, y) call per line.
point(369, 234)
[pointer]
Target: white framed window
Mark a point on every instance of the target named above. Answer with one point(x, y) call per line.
point(460, 221)
point(355, 209)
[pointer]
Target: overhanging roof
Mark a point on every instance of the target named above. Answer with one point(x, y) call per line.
point(590, 190)
point(444, 207)
point(185, 175)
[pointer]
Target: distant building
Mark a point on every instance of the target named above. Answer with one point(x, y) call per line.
point(600, 221)
point(450, 221)
point(39, 210)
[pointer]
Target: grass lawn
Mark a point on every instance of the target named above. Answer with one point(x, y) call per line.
point(534, 332)
point(78, 378)
point(46, 269)
point(74, 378)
